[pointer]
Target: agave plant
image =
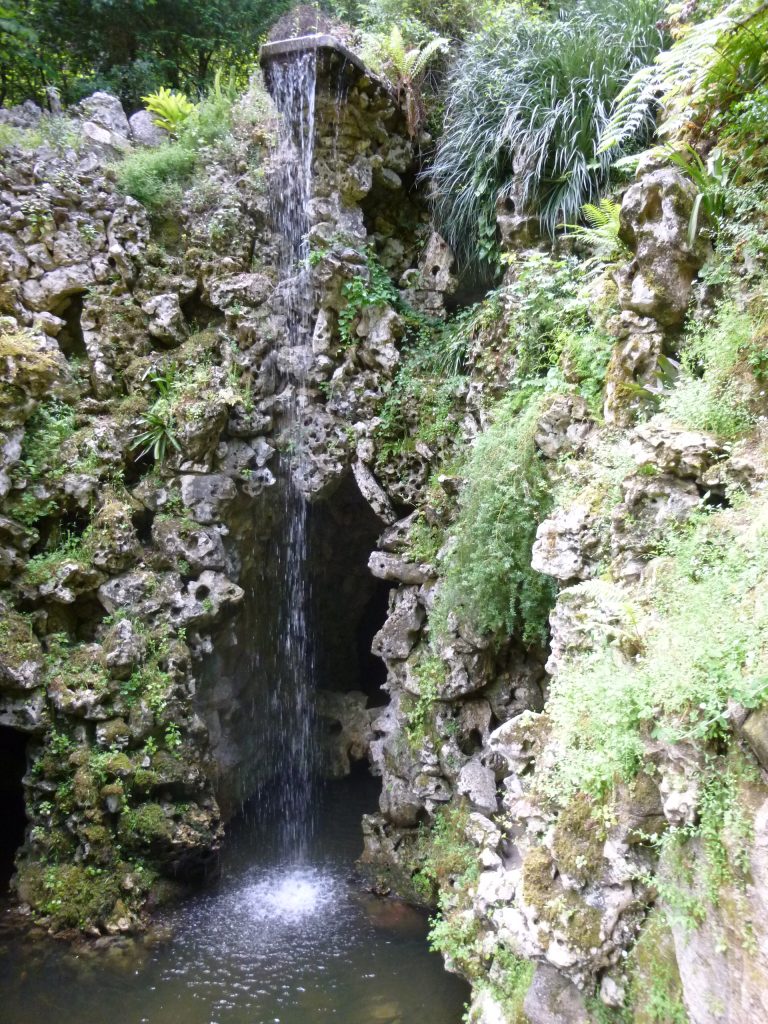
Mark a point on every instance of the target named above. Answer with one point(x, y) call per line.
point(407, 68)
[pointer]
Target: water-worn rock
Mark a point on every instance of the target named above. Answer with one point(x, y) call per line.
point(655, 213)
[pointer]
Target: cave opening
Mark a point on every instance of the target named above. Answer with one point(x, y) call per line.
point(70, 338)
point(349, 604)
point(13, 764)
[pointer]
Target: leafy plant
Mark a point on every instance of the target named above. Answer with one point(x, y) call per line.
point(488, 583)
point(155, 176)
point(721, 56)
point(159, 435)
point(602, 233)
point(528, 101)
point(171, 109)
point(711, 177)
point(408, 67)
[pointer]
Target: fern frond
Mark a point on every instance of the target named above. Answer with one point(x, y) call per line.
point(426, 53)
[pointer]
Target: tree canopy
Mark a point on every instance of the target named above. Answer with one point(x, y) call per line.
point(127, 46)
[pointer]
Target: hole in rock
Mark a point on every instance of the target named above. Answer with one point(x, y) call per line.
point(199, 314)
point(142, 524)
point(349, 605)
point(13, 763)
point(202, 592)
point(70, 338)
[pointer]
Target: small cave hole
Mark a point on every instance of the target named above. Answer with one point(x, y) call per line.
point(13, 764)
point(472, 743)
point(714, 498)
point(142, 524)
point(70, 338)
point(202, 592)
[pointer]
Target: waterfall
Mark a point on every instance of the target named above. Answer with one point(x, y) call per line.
point(291, 728)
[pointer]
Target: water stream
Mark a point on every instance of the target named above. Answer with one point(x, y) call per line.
point(289, 729)
point(287, 936)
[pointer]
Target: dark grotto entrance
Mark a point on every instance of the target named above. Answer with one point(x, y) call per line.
point(13, 763)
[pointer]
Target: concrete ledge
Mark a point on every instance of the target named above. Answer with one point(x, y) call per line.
point(327, 47)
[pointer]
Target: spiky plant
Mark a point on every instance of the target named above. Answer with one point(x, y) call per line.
point(406, 68)
point(528, 101)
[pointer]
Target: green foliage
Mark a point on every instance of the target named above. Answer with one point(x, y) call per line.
point(709, 63)
point(703, 861)
point(448, 860)
point(70, 895)
point(407, 68)
point(510, 979)
point(361, 293)
point(710, 394)
point(702, 643)
point(418, 19)
point(156, 177)
point(488, 583)
point(602, 234)
point(711, 178)
point(159, 434)
point(528, 100)
point(171, 109)
point(430, 673)
point(75, 45)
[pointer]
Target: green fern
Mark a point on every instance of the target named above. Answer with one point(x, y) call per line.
point(171, 109)
point(408, 67)
point(719, 56)
point(602, 233)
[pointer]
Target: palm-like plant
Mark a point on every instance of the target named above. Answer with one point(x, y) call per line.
point(407, 68)
point(529, 100)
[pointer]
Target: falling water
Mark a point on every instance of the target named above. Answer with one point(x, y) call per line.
point(293, 83)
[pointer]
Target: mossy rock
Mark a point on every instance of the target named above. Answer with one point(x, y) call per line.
point(578, 841)
point(655, 992)
point(21, 657)
point(68, 895)
point(560, 908)
point(144, 827)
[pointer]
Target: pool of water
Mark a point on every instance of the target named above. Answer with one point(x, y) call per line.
point(272, 943)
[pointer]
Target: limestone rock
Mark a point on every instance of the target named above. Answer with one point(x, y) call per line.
point(345, 730)
point(166, 320)
point(567, 545)
point(655, 213)
point(553, 999)
point(563, 427)
point(144, 131)
point(397, 637)
point(386, 566)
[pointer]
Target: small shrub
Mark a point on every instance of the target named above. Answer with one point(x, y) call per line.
point(156, 177)
point(171, 109)
point(710, 394)
point(704, 643)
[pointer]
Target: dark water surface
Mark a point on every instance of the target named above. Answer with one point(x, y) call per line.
point(270, 944)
